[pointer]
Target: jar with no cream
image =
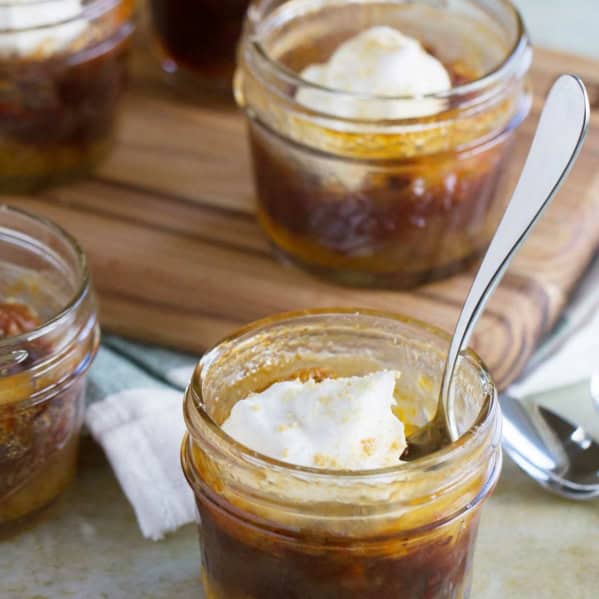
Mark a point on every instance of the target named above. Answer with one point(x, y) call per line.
point(48, 338)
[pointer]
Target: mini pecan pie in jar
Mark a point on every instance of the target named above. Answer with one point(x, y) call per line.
point(379, 131)
point(62, 72)
point(48, 338)
point(196, 40)
point(297, 427)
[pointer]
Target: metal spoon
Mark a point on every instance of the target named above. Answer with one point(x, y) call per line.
point(556, 453)
point(558, 139)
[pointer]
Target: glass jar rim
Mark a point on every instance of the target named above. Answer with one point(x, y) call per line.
point(511, 64)
point(445, 455)
point(78, 295)
point(88, 10)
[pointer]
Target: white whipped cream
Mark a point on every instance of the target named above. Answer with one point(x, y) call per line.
point(344, 423)
point(380, 61)
point(35, 29)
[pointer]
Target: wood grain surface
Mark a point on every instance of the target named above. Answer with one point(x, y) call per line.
point(177, 258)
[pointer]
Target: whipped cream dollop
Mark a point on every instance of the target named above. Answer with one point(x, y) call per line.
point(344, 423)
point(39, 28)
point(380, 61)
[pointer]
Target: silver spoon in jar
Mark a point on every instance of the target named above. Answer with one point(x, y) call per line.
point(557, 141)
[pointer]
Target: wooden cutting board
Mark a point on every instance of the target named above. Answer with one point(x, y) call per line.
point(176, 257)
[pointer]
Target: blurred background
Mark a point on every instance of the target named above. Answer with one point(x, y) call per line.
point(563, 24)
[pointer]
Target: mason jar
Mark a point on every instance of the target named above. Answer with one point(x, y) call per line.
point(269, 529)
point(195, 41)
point(48, 338)
point(63, 69)
point(377, 190)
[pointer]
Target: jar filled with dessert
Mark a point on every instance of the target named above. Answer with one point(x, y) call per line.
point(63, 66)
point(379, 131)
point(296, 453)
point(196, 41)
point(48, 338)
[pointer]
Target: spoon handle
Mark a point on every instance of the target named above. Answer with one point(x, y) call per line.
point(556, 144)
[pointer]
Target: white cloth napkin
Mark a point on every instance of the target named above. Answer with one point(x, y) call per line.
point(135, 413)
point(570, 354)
point(577, 360)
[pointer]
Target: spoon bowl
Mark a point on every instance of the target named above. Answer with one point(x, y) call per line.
point(559, 455)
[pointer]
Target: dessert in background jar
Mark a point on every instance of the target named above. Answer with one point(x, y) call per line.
point(63, 66)
point(48, 338)
point(196, 40)
point(296, 428)
point(379, 132)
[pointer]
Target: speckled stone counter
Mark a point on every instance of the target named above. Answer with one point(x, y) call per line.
point(87, 545)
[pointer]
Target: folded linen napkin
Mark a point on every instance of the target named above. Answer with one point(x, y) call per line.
point(559, 374)
point(135, 413)
point(135, 400)
point(570, 353)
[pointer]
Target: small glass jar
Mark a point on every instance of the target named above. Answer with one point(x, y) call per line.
point(42, 366)
point(394, 201)
point(196, 41)
point(63, 67)
point(269, 529)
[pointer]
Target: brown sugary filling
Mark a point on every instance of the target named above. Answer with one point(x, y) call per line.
point(37, 447)
point(415, 204)
point(16, 318)
point(57, 111)
point(200, 35)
